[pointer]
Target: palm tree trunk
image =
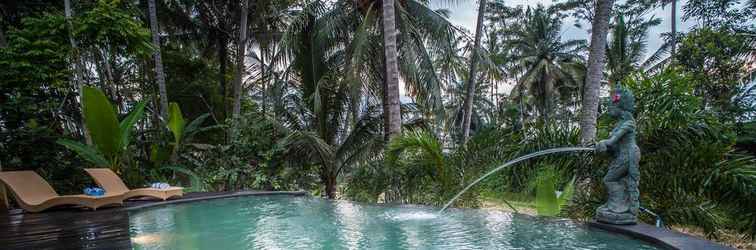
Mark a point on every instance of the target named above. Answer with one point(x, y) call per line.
point(596, 58)
point(240, 59)
point(473, 72)
point(78, 67)
point(3, 42)
point(222, 56)
point(159, 74)
point(391, 112)
point(329, 180)
point(674, 29)
point(264, 80)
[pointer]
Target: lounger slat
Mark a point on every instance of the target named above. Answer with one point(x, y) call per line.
point(34, 194)
point(110, 181)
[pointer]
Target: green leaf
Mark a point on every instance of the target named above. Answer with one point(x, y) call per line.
point(128, 123)
point(176, 122)
point(159, 154)
point(86, 152)
point(546, 199)
point(101, 122)
point(567, 193)
point(194, 125)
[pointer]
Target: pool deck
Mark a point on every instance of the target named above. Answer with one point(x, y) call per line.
point(73, 228)
point(660, 236)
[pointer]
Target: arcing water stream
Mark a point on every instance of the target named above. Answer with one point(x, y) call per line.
point(512, 162)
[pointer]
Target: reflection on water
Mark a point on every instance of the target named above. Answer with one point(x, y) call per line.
point(279, 222)
point(146, 239)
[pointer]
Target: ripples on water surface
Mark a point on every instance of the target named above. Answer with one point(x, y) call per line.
point(284, 222)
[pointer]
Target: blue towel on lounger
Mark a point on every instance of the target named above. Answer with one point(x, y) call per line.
point(94, 191)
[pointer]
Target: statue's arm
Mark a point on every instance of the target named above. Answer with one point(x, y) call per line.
point(604, 145)
point(614, 137)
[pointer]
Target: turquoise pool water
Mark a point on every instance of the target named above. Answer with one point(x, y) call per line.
point(286, 222)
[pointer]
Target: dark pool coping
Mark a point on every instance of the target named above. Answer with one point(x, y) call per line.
point(213, 197)
point(661, 237)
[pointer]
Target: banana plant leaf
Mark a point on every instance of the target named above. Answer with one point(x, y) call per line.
point(101, 122)
point(86, 152)
point(127, 124)
point(159, 154)
point(176, 122)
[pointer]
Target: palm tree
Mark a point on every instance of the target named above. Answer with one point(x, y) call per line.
point(628, 45)
point(392, 115)
point(313, 110)
point(596, 59)
point(656, 61)
point(550, 65)
point(473, 71)
point(333, 53)
point(482, 114)
point(159, 74)
point(673, 17)
point(242, 45)
point(355, 27)
point(77, 74)
point(304, 146)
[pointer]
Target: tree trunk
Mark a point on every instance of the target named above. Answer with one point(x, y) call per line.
point(159, 74)
point(674, 29)
point(222, 55)
point(3, 42)
point(108, 83)
point(264, 80)
point(391, 112)
point(596, 58)
point(78, 67)
point(240, 59)
point(330, 185)
point(473, 72)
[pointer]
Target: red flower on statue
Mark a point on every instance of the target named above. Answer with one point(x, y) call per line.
point(615, 98)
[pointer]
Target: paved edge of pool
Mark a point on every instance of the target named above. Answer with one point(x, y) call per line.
point(213, 197)
point(660, 237)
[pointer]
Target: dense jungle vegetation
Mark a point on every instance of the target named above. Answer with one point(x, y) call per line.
point(333, 97)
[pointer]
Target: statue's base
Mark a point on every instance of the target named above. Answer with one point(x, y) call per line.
point(615, 218)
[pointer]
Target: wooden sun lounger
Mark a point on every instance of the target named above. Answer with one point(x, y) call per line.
point(34, 194)
point(109, 181)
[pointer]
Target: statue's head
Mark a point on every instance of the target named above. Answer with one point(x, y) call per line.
point(622, 100)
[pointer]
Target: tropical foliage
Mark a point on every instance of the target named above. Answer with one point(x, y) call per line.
point(311, 106)
point(109, 136)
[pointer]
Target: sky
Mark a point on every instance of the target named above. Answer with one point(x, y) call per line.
point(464, 13)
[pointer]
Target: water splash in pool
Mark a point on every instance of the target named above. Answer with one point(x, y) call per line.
point(414, 215)
point(512, 162)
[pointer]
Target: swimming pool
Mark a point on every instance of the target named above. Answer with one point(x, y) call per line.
point(304, 222)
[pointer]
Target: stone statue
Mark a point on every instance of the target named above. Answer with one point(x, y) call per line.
point(621, 180)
